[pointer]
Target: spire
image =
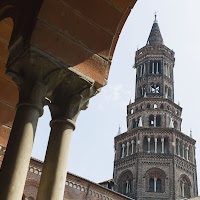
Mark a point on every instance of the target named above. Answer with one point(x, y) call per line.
point(155, 37)
point(119, 131)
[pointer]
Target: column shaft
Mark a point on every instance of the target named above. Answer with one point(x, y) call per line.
point(17, 157)
point(54, 172)
point(155, 140)
point(162, 141)
point(155, 182)
point(148, 139)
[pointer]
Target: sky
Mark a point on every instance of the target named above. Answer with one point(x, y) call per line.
point(92, 147)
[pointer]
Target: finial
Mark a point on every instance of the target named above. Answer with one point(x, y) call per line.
point(145, 94)
point(178, 103)
point(155, 21)
point(130, 102)
point(191, 133)
point(119, 131)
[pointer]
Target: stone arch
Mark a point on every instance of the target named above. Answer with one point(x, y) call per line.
point(155, 174)
point(125, 181)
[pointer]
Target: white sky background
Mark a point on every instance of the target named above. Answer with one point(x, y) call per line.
point(92, 151)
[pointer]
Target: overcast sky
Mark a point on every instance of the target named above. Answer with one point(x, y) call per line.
point(92, 151)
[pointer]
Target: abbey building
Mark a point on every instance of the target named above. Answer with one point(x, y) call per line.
point(154, 159)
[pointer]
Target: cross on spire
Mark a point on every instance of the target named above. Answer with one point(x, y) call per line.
point(155, 21)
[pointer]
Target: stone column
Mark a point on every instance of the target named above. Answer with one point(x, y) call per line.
point(155, 182)
point(155, 141)
point(183, 150)
point(183, 192)
point(123, 150)
point(157, 68)
point(187, 149)
point(148, 139)
point(162, 141)
point(127, 150)
point(144, 69)
point(64, 113)
point(153, 68)
point(178, 148)
point(132, 143)
point(17, 157)
point(141, 70)
point(154, 121)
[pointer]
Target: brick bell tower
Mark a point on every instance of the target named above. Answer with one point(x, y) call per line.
point(154, 159)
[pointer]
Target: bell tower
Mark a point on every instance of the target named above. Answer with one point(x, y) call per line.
point(154, 159)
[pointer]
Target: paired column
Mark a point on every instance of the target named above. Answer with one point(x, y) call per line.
point(157, 69)
point(17, 157)
point(178, 148)
point(153, 68)
point(64, 114)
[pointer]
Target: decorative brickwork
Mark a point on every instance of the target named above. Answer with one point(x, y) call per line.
point(154, 159)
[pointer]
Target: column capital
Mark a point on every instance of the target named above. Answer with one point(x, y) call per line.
point(155, 139)
point(123, 145)
point(162, 139)
point(148, 139)
point(132, 141)
point(65, 108)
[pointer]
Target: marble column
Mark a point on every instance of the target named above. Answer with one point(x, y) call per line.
point(127, 149)
point(132, 143)
point(155, 182)
point(183, 150)
point(154, 123)
point(162, 142)
point(149, 140)
point(17, 157)
point(187, 150)
point(123, 150)
point(156, 144)
point(153, 68)
point(178, 148)
point(64, 113)
point(157, 68)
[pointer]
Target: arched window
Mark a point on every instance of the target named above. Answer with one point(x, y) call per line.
point(155, 179)
point(158, 121)
point(185, 185)
point(161, 106)
point(175, 124)
point(134, 123)
point(151, 185)
point(151, 120)
point(158, 185)
point(148, 106)
point(145, 144)
point(125, 182)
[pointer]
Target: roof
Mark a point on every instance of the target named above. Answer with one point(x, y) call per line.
point(155, 37)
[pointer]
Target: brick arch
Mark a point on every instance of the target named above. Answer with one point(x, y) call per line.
point(155, 173)
point(124, 176)
point(185, 178)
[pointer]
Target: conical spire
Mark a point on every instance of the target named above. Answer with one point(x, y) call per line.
point(155, 37)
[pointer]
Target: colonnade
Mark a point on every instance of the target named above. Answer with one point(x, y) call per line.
point(156, 145)
point(155, 68)
point(183, 150)
point(65, 105)
point(127, 148)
